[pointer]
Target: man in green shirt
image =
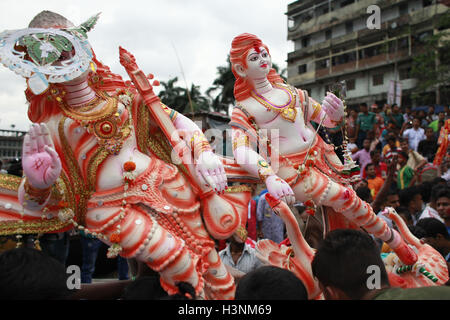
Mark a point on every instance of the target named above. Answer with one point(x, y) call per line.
point(395, 116)
point(364, 123)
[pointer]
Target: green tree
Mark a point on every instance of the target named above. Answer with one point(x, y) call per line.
point(173, 96)
point(431, 67)
point(199, 102)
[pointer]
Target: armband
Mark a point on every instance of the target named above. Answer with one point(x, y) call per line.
point(34, 194)
point(199, 144)
point(264, 170)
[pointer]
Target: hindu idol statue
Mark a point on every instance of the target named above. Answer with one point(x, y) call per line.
point(101, 156)
point(275, 142)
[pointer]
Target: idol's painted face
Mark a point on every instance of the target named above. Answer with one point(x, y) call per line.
point(258, 63)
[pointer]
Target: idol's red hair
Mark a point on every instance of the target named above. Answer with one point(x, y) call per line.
point(43, 106)
point(240, 47)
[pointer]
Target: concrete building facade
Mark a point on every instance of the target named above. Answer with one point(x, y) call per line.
point(332, 42)
point(11, 144)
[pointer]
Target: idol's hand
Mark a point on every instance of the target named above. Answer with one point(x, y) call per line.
point(211, 172)
point(280, 189)
point(333, 107)
point(40, 162)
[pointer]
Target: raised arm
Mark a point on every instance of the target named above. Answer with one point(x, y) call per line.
point(332, 108)
point(41, 167)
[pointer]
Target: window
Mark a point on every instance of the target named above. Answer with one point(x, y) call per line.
point(328, 34)
point(305, 42)
point(349, 27)
point(403, 9)
point(377, 79)
point(302, 69)
point(404, 73)
point(350, 84)
point(322, 64)
point(346, 3)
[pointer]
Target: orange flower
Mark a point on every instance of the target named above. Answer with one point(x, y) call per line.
point(114, 238)
point(129, 166)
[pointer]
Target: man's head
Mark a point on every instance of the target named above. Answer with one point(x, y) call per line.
point(411, 198)
point(443, 203)
point(364, 194)
point(429, 133)
point(436, 234)
point(392, 199)
point(416, 123)
point(430, 110)
point(366, 144)
point(370, 169)
point(270, 283)
point(343, 264)
point(404, 145)
point(441, 115)
point(29, 274)
point(395, 108)
point(363, 107)
point(375, 156)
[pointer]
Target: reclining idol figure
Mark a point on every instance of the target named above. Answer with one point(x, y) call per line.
point(95, 158)
point(270, 112)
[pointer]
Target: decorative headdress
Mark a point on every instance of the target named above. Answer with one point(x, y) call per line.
point(49, 51)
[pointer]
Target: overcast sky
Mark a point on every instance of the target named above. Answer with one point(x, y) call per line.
point(200, 30)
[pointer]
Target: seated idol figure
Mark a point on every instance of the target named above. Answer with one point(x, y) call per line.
point(274, 116)
point(95, 159)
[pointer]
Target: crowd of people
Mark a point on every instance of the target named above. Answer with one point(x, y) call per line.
point(395, 152)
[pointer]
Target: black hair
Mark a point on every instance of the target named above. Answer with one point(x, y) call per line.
point(439, 180)
point(363, 104)
point(186, 292)
point(444, 192)
point(374, 152)
point(369, 165)
point(364, 194)
point(391, 138)
point(435, 190)
point(406, 195)
point(270, 283)
point(342, 260)
point(30, 274)
point(417, 231)
point(433, 227)
point(144, 288)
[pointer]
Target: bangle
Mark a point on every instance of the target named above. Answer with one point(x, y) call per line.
point(264, 170)
point(34, 194)
point(199, 144)
point(240, 141)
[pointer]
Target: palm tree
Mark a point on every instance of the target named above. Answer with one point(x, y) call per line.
point(173, 96)
point(224, 83)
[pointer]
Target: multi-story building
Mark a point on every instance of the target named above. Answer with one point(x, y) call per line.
point(11, 144)
point(332, 42)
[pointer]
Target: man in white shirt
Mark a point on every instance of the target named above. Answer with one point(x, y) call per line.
point(414, 134)
point(239, 255)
